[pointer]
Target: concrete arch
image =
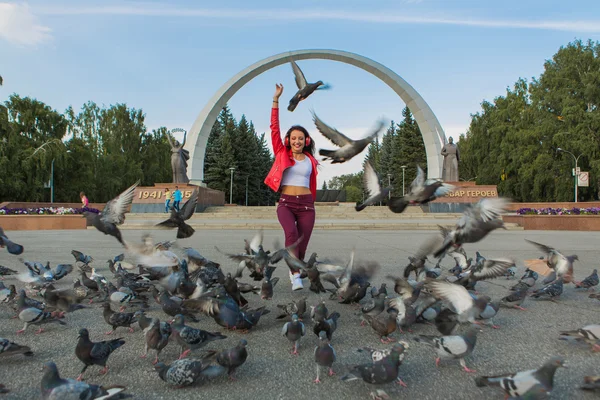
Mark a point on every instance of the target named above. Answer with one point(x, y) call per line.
point(433, 134)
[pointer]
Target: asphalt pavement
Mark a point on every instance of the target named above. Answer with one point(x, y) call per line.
point(524, 341)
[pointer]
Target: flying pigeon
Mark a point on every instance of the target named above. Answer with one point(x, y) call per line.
point(373, 187)
point(561, 265)
point(113, 214)
point(591, 383)
point(348, 148)
point(523, 384)
point(11, 246)
point(304, 89)
point(421, 192)
point(475, 224)
point(178, 218)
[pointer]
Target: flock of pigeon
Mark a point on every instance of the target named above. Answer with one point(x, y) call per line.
point(183, 284)
point(187, 285)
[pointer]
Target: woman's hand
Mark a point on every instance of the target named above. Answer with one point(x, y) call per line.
point(278, 91)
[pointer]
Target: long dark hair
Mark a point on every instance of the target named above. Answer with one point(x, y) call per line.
point(310, 148)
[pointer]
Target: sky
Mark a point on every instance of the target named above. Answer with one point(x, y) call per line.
point(169, 58)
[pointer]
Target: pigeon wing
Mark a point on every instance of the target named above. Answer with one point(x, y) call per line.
point(298, 75)
point(190, 206)
point(492, 268)
point(371, 180)
point(114, 211)
point(454, 294)
point(336, 137)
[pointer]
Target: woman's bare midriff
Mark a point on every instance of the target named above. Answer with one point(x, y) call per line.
point(295, 190)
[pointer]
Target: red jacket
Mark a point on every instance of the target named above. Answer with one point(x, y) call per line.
point(284, 159)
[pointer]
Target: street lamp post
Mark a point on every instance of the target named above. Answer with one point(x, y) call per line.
point(575, 171)
point(389, 185)
point(231, 186)
point(403, 169)
point(247, 190)
point(52, 182)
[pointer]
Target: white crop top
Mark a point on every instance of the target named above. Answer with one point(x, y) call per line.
point(298, 174)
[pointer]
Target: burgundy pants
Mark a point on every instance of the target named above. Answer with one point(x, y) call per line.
point(296, 215)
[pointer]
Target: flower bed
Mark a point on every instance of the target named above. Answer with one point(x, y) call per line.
point(559, 211)
point(46, 211)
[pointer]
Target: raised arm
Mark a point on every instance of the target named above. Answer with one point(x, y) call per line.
point(184, 136)
point(169, 139)
point(275, 131)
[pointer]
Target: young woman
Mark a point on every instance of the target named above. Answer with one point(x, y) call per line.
point(168, 196)
point(84, 200)
point(294, 174)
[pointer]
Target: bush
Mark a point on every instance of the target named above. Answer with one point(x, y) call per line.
point(46, 211)
point(559, 211)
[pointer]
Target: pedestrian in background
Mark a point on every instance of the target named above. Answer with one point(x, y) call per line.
point(168, 196)
point(177, 197)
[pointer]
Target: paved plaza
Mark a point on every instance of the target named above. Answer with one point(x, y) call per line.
point(524, 341)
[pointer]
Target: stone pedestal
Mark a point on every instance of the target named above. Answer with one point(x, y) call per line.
point(464, 194)
point(151, 199)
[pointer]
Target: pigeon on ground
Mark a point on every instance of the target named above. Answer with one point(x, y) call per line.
point(489, 312)
point(527, 281)
point(34, 316)
point(421, 192)
point(591, 383)
point(157, 337)
point(452, 347)
point(375, 193)
point(294, 331)
point(305, 89)
point(297, 307)
point(233, 290)
point(589, 334)
point(225, 311)
point(384, 324)
point(525, 383)
point(266, 292)
point(382, 371)
point(310, 269)
point(64, 300)
point(8, 348)
point(348, 148)
point(191, 338)
point(116, 319)
point(178, 218)
point(233, 358)
point(113, 214)
point(4, 271)
point(95, 353)
point(373, 308)
point(324, 355)
point(328, 325)
point(186, 372)
point(172, 308)
point(11, 246)
point(561, 265)
point(319, 312)
point(55, 388)
point(475, 224)
point(551, 290)
point(591, 296)
point(589, 282)
point(515, 299)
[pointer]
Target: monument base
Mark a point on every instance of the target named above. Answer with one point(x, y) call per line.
point(151, 199)
point(464, 194)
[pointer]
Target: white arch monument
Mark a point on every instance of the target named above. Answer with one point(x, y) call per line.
point(433, 134)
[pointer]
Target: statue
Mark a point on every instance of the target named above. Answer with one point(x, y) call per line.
point(451, 159)
point(179, 159)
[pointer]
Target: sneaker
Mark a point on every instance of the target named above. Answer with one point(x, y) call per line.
point(297, 282)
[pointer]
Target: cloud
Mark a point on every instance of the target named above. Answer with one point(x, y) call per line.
point(19, 26)
point(390, 17)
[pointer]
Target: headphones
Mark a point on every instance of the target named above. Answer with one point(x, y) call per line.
point(287, 141)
